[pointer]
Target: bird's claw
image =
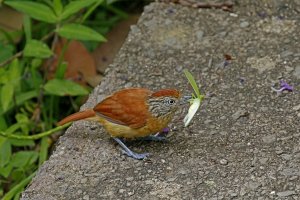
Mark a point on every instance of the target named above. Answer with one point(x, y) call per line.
point(138, 156)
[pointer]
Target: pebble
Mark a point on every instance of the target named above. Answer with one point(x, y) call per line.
point(179, 68)
point(286, 54)
point(290, 172)
point(286, 156)
point(244, 24)
point(243, 192)
point(279, 151)
point(93, 127)
point(296, 108)
point(254, 185)
point(293, 178)
point(129, 178)
point(83, 181)
point(131, 193)
point(207, 121)
point(86, 197)
point(199, 35)
point(297, 72)
point(121, 191)
point(233, 194)
point(240, 113)
point(268, 139)
point(263, 161)
point(233, 15)
point(223, 162)
point(286, 193)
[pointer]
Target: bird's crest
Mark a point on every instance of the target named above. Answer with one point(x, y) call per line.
point(166, 92)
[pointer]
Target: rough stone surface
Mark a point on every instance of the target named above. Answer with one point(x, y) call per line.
point(242, 121)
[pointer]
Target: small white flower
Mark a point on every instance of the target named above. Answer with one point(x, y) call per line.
point(195, 104)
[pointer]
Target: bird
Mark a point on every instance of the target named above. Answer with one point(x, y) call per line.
point(132, 113)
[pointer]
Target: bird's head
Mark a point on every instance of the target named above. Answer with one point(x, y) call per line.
point(164, 102)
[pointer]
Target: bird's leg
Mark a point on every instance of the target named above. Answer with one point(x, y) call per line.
point(130, 153)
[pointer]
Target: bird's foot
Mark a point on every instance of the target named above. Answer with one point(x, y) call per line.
point(156, 138)
point(138, 156)
point(130, 153)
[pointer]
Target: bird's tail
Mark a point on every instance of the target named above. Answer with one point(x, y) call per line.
point(87, 114)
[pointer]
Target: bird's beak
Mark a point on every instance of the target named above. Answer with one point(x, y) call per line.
point(185, 99)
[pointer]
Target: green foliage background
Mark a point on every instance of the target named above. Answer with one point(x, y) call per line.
point(29, 103)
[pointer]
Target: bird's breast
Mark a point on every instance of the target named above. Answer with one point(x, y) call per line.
point(152, 126)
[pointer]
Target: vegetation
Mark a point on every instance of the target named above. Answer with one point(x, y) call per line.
point(30, 101)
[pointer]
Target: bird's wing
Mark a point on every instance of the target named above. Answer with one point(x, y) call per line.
point(126, 107)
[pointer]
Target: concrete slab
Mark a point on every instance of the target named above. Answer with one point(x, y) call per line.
point(244, 141)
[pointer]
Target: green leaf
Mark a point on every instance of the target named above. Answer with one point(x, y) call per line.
point(3, 76)
point(23, 158)
point(7, 93)
point(21, 98)
point(17, 174)
point(193, 83)
point(64, 87)
point(27, 27)
point(5, 171)
point(35, 10)
point(36, 63)
point(15, 70)
point(60, 71)
point(43, 150)
point(18, 188)
point(13, 128)
point(36, 79)
point(75, 6)
point(24, 121)
point(34, 157)
point(6, 51)
point(35, 48)
point(79, 32)
point(58, 7)
point(5, 151)
point(18, 194)
point(3, 124)
point(21, 143)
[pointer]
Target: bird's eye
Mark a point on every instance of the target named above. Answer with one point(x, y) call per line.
point(171, 101)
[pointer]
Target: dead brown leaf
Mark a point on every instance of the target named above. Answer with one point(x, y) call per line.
point(81, 65)
point(11, 21)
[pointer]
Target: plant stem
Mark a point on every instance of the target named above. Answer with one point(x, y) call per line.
point(90, 10)
point(17, 55)
point(36, 136)
point(18, 188)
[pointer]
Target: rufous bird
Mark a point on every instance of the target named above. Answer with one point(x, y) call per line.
point(132, 113)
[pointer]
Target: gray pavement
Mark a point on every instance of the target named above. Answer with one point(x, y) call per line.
point(244, 141)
